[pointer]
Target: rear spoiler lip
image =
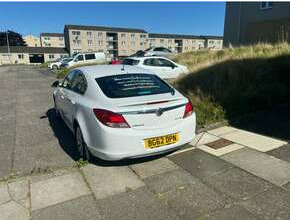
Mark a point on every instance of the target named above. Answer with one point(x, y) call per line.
point(151, 102)
point(152, 111)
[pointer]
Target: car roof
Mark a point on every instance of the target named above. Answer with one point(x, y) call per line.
point(96, 71)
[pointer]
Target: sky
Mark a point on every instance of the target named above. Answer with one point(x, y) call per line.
point(197, 18)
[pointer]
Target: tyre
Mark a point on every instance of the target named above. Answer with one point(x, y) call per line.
point(54, 67)
point(81, 145)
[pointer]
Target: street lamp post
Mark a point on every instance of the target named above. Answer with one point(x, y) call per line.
point(8, 47)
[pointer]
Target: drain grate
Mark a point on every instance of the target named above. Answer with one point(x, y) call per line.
point(219, 143)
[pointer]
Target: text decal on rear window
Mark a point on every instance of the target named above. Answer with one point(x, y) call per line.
point(129, 85)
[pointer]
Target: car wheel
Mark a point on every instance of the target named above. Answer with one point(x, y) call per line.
point(54, 68)
point(81, 145)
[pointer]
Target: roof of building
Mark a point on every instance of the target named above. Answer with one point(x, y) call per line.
point(24, 49)
point(52, 34)
point(102, 28)
point(182, 36)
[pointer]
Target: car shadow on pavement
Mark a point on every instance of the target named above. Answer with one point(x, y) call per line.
point(66, 142)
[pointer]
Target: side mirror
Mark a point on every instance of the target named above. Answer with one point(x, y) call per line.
point(55, 84)
point(173, 66)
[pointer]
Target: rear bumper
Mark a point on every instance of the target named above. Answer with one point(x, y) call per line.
point(117, 144)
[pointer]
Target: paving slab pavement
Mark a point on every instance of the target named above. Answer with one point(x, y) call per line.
point(56, 190)
point(153, 167)
point(108, 181)
point(80, 208)
point(260, 164)
point(200, 164)
point(283, 153)
point(252, 140)
point(139, 204)
point(13, 211)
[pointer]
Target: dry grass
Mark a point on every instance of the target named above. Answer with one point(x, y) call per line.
point(233, 82)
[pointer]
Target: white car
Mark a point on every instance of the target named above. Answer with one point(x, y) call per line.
point(56, 65)
point(119, 112)
point(85, 58)
point(161, 66)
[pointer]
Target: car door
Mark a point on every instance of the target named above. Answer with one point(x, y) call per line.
point(74, 96)
point(79, 59)
point(68, 98)
point(168, 68)
point(151, 64)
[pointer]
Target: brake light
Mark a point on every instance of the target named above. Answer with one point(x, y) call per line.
point(188, 110)
point(110, 119)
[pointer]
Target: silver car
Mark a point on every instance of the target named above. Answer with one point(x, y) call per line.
point(158, 51)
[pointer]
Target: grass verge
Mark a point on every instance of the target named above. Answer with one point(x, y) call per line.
point(234, 82)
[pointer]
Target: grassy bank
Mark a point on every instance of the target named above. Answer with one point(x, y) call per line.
point(231, 83)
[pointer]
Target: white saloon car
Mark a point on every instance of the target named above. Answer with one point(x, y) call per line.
point(161, 66)
point(119, 112)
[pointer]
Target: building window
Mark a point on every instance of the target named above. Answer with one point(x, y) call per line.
point(100, 34)
point(123, 43)
point(169, 41)
point(210, 42)
point(51, 56)
point(76, 33)
point(152, 40)
point(20, 56)
point(76, 41)
point(90, 42)
point(133, 36)
point(266, 5)
point(123, 35)
point(161, 40)
point(142, 36)
point(133, 43)
point(100, 43)
point(47, 38)
point(89, 34)
point(60, 38)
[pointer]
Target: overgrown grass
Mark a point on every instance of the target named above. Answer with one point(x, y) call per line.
point(231, 83)
point(62, 72)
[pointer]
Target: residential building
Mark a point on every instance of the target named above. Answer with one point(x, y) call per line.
point(32, 41)
point(253, 22)
point(52, 40)
point(179, 43)
point(114, 41)
point(30, 55)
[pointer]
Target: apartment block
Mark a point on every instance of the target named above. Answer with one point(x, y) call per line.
point(114, 41)
point(32, 41)
point(254, 22)
point(182, 43)
point(52, 40)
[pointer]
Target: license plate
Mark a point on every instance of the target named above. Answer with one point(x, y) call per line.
point(161, 141)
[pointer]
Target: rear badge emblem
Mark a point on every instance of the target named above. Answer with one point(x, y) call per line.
point(159, 112)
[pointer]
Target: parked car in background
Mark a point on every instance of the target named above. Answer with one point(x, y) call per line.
point(85, 58)
point(158, 51)
point(119, 112)
point(119, 60)
point(57, 64)
point(161, 66)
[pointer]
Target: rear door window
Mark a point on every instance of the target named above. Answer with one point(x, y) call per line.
point(130, 62)
point(130, 85)
point(79, 58)
point(150, 62)
point(90, 56)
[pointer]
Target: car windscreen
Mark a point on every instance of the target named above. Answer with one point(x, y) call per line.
point(130, 62)
point(130, 85)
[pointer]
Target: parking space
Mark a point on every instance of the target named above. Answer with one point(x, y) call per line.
point(225, 173)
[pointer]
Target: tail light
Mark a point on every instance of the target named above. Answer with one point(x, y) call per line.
point(111, 119)
point(188, 110)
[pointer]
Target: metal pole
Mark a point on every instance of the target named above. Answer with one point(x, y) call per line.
point(8, 48)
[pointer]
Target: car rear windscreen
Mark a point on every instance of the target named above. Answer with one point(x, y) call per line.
point(130, 85)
